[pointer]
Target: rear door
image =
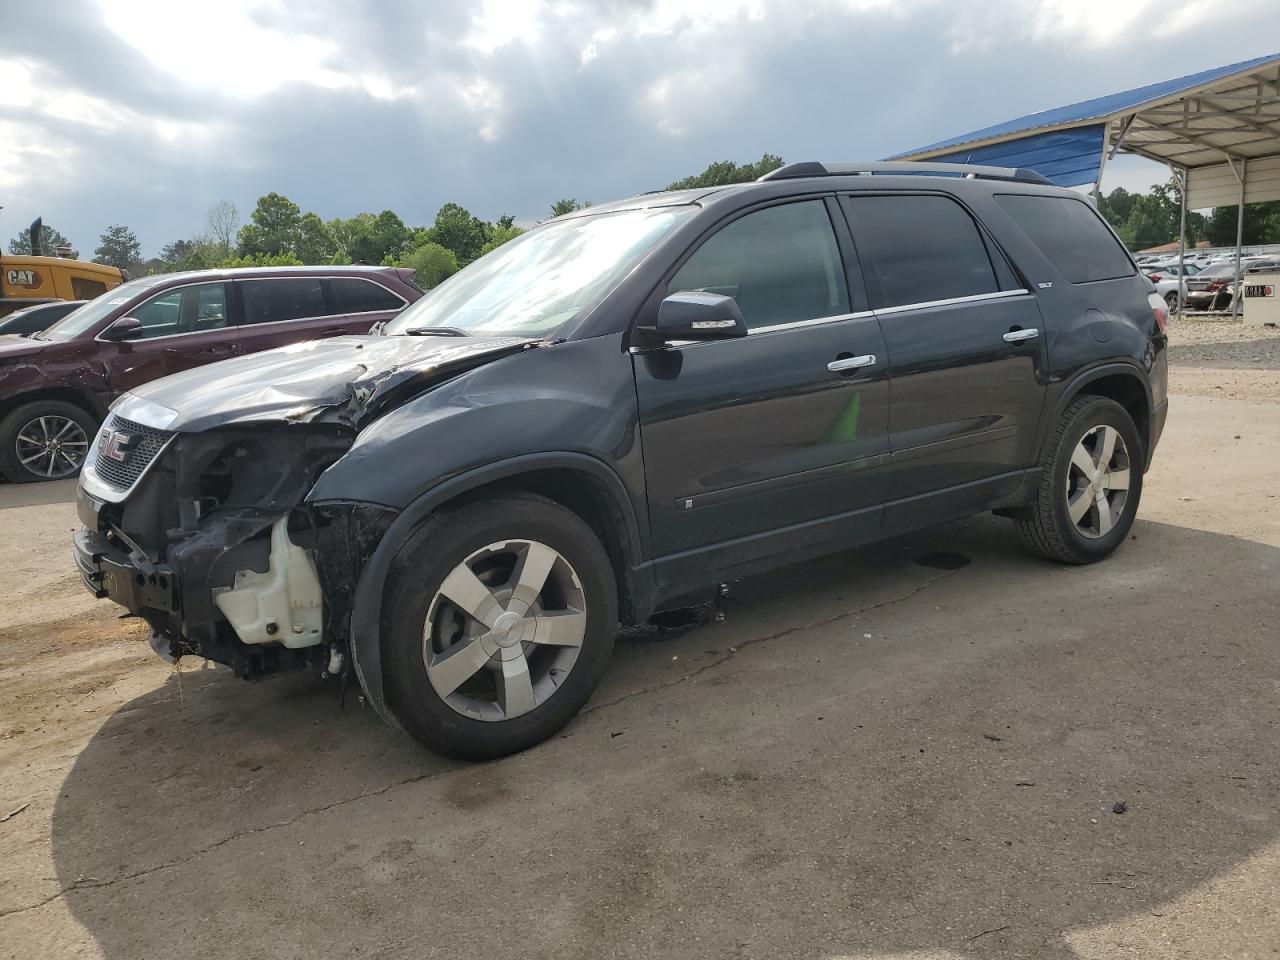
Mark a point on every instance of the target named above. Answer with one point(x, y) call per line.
point(182, 327)
point(966, 349)
point(281, 310)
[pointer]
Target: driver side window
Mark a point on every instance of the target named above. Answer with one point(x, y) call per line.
point(199, 307)
point(781, 264)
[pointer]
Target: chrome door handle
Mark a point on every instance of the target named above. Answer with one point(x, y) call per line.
point(851, 363)
point(1017, 336)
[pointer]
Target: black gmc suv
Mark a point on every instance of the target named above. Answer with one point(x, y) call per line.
point(620, 409)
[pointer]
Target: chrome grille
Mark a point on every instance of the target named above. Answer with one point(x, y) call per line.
point(143, 444)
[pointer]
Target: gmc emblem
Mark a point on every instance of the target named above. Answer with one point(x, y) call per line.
point(115, 444)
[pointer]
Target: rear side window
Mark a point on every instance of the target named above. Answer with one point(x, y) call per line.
point(353, 295)
point(920, 249)
point(270, 301)
point(1070, 234)
point(781, 264)
point(87, 289)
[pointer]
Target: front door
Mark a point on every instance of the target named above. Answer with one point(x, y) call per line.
point(182, 327)
point(967, 352)
point(775, 442)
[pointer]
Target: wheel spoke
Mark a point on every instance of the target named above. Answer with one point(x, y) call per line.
point(563, 628)
point(1118, 480)
point(449, 670)
point(1079, 505)
point(44, 428)
point(67, 425)
point(530, 576)
point(1082, 461)
point(465, 589)
point(35, 456)
point(1104, 515)
point(515, 687)
point(1106, 446)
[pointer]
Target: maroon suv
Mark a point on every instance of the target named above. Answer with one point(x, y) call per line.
point(55, 387)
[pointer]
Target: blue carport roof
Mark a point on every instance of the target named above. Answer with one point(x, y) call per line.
point(1098, 110)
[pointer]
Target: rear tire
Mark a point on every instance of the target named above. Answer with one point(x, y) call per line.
point(45, 440)
point(1171, 299)
point(1090, 484)
point(481, 673)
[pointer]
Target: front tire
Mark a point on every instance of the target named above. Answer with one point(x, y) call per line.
point(1090, 484)
point(45, 440)
point(500, 622)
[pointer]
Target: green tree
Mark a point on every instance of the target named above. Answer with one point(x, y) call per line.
point(378, 238)
point(568, 205)
point(275, 227)
point(431, 263)
point(259, 260)
point(505, 222)
point(725, 172)
point(501, 234)
point(457, 230)
point(50, 239)
point(118, 247)
point(315, 240)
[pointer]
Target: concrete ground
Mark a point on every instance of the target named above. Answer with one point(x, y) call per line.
point(886, 754)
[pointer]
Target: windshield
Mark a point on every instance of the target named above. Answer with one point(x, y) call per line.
point(538, 282)
point(78, 321)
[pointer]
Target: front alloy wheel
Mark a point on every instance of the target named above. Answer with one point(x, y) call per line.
point(504, 630)
point(52, 447)
point(498, 622)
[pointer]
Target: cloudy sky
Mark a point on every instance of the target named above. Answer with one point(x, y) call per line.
point(145, 112)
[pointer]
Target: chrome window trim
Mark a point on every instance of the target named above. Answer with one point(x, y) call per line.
point(816, 321)
point(255, 326)
point(951, 301)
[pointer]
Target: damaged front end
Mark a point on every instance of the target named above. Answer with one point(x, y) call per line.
point(194, 507)
point(216, 549)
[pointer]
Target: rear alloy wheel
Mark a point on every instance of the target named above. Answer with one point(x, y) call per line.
point(1171, 298)
point(1090, 484)
point(45, 440)
point(499, 623)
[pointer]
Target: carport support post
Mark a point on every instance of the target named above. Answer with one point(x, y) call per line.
point(1182, 236)
point(1238, 292)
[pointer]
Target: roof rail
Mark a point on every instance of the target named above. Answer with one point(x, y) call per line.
point(970, 171)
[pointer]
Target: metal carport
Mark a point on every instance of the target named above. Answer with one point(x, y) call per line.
point(1218, 130)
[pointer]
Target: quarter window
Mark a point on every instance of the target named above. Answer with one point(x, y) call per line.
point(87, 289)
point(917, 249)
point(781, 264)
point(291, 298)
point(1070, 235)
point(201, 306)
point(353, 295)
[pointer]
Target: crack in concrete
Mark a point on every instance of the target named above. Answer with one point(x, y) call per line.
point(93, 883)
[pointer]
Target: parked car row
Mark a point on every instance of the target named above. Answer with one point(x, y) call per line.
point(57, 383)
point(621, 408)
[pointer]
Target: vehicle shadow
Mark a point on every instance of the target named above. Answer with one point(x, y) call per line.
point(36, 494)
point(887, 751)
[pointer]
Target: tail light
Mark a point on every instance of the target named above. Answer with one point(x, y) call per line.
point(1153, 277)
point(1159, 310)
point(1217, 285)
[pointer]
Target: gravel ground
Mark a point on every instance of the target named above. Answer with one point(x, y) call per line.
point(1223, 344)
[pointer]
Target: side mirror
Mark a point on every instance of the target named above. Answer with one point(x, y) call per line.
point(693, 315)
point(126, 328)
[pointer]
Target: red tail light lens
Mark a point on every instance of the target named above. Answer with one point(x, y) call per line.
point(1153, 277)
point(1160, 310)
point(1217, 285)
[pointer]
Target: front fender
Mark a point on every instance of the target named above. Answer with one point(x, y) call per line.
point(568, 406)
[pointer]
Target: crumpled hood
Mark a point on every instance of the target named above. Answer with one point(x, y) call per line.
point(13, 346)
point(342, 379)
